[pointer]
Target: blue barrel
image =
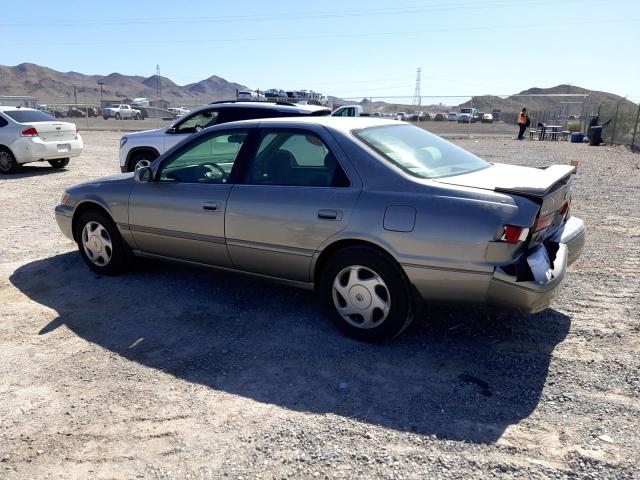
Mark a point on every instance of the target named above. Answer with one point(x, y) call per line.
point(577, 137)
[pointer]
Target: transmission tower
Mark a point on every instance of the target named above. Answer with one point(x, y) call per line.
point(417, 99)
point(158, 84)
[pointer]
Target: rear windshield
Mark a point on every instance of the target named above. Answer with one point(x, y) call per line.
point(26, 116)
point(418, 152)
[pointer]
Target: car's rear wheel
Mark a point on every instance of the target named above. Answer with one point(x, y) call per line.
point(100, 243)
point(367, 294)
point(59, 162)
point(141, 159)
point(8, 162)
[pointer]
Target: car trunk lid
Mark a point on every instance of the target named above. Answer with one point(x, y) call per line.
point(54, 131)
point(549, 187)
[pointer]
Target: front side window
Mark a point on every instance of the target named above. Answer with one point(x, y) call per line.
point(418, 152)
point(199, 121)
point(210, 160)
point(294, 159)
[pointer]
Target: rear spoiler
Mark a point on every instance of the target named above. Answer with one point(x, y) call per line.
point(554, 174)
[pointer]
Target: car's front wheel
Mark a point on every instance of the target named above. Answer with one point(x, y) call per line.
point(117, 116)
point(367, 294)
point(59, 162)
point(142, 159)
point(8, 162)
point(100, 243)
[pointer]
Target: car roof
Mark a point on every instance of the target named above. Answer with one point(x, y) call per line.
point(343, 124)
point(281, 106)
point(7, 108)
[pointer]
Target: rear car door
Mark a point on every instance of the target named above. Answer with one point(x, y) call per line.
point(292, 195)
point(181, 213)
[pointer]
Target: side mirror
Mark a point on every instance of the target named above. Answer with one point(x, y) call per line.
point(143, 175)
point(171, 129)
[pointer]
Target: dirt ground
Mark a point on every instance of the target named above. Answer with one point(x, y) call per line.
point(177, 372)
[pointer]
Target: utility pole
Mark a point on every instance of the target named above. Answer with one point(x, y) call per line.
point(158, 84)
point(101, 84)
point(75, 95)
point(417, 98)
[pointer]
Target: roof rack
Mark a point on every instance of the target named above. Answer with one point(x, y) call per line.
point(288, 104)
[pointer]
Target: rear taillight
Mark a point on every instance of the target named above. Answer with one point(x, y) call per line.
point(29, 132)
point(77, 130)
point(543, 222)
point(514, 234)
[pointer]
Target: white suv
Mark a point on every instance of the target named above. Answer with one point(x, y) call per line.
point(141, 148)
point(28, 135)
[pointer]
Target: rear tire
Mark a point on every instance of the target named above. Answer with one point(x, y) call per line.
point(59, 163)
point(8, 162)
point(100, 243)
point(117, 116)
point(367, 294)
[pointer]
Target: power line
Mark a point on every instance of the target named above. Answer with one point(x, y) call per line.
point(290, 16)
point(333, 35)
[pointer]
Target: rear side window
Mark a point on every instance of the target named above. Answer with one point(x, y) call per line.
point(294, 159)
point(27, 116)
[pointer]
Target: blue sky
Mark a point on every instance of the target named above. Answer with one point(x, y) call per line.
point(346, 48)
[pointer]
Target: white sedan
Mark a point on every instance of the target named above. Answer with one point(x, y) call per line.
point(28, 135)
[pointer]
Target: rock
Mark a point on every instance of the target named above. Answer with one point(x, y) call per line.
point(606, 438)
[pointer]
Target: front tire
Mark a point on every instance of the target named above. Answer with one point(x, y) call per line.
point(117, 116)
point(142, 159)
point(367, 294)
point(100, 243)
point(8, 163)
point(59, 163)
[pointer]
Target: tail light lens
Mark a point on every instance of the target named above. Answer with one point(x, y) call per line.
point(514, 234)
point(29, 132)
point(543, 222)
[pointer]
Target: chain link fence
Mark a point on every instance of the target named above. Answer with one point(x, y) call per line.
point(453, 115)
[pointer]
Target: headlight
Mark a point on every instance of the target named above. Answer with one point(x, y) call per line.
point(123, 141)
point(66, 199)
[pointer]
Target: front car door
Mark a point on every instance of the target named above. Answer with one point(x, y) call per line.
point(181, 213)
point(190, 125)
point(292, 195)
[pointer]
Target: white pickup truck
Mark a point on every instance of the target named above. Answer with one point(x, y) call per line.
point(121, 111)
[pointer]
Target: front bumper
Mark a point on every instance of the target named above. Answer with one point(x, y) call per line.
point(531, 296)
point(64, 219)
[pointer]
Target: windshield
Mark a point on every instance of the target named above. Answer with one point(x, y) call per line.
point(26, 116)
point(419, 152)
point(465, 110)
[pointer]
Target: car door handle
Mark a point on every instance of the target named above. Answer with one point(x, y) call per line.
point(330, 214)
point(211, 207)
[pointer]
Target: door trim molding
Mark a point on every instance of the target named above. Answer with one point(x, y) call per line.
point(176, 234)
point(270, 247)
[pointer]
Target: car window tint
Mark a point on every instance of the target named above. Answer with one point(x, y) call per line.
point(26, 116)
point(3, 122)
point(210, 160)
point(294, 159)
point(199, 121)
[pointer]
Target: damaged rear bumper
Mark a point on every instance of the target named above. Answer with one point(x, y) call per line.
point(530, 296)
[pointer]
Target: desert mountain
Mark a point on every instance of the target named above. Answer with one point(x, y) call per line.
point(51, 86)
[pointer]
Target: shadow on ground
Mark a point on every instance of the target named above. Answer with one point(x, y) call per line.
point(464, 374)
point(32, 171)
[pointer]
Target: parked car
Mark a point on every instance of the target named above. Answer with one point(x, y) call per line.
point(487, 118)
point(121, 111)
point(141, 148)
point(468, 115)
point(250, 95)
point(365, 211)
point(402, 116)
point(440, 117)
point(348, 111)
point(452, 116)
point(74, 112)
point(29, 135)
point(179, 111)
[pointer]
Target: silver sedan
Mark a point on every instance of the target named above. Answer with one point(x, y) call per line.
point(376, 215)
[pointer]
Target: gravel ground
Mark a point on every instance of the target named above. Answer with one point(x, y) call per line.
point(176, 372)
